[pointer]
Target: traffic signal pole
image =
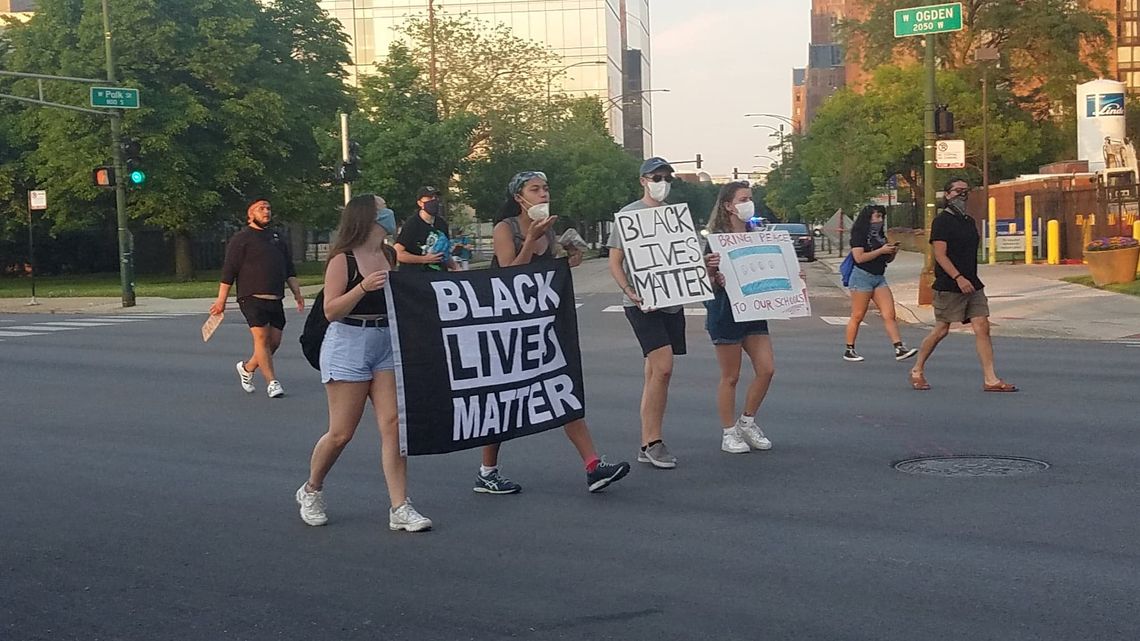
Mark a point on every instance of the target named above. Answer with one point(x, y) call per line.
point(343, 153)
point(126, 259)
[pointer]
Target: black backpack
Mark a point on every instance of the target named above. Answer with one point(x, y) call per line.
point(316, 324)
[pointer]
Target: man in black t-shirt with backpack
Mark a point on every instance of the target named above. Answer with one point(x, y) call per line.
point(958, 292)
point(424, 241)
point(258, 258)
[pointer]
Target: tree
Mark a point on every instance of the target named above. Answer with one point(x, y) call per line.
point(405, 142)
point(590, 176)
point(233, 95)
point(858, 140)
point(486, 70)
point(1048, 46)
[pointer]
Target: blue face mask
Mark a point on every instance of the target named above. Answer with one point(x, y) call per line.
point(386, 218)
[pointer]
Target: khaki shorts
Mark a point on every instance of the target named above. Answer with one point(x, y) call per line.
point(952, 307)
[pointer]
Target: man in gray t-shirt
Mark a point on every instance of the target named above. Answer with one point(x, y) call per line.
point(660, 332)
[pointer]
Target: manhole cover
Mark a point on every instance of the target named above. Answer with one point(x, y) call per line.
point(971, 466)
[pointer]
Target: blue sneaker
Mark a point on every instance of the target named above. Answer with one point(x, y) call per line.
point(495, 483)
point(605, 474)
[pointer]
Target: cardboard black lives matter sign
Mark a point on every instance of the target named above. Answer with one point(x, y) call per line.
point(664, 256)
point(484, 356)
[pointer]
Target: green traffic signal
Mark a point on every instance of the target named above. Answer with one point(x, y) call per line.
point(138, 177)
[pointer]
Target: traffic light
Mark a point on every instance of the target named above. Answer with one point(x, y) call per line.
point(698, 161)
point(735, 173)
point(136, 177)
point(943, 120)
point(350, 169)
point(103, 176)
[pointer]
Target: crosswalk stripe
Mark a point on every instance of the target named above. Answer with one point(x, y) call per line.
point(10, 334)
point(76, 324)
point(39, 328)
point(838, 320)
point(689, 311)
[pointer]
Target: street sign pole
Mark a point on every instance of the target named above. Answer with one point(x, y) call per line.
point(37, 200)
point(126, 260)
point(928, 21)
point(930, 175)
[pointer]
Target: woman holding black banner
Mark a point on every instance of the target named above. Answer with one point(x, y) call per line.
point(524, 235)
point(732, 214)
point(356, 359)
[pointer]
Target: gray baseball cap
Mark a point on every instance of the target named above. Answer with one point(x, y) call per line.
point(653, 164)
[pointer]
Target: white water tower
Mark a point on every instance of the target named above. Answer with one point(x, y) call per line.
point(1100, 115)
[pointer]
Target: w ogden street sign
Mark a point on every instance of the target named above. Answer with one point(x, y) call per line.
point(921, 21)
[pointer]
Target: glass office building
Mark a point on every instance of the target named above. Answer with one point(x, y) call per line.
point(580, 31)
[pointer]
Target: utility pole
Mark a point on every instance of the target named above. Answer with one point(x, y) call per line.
point(344, 154)
point(126, 258)
point(432, 69)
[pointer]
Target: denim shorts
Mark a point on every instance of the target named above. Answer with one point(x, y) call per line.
point(723, 328)
point(354, 354)
point(865, 281)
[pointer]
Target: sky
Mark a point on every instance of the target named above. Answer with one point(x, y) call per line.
point(719, 60)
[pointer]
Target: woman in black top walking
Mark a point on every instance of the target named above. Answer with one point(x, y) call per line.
point(868, 282)
point(524, 235)
point(356, 359)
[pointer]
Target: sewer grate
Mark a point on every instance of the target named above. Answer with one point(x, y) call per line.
point(971, 465)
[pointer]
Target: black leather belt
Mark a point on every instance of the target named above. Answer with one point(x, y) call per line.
point(358, 322)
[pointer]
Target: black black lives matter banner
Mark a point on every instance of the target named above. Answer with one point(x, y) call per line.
point(484, 356)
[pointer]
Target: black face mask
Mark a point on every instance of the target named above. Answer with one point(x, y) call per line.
point(432, 207)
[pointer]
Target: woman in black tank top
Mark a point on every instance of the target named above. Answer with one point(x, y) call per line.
point(356, 359)
point(524, 235)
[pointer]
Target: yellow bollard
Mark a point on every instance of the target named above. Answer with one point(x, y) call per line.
point(1136, 235)
point(1054, 242)
point(1029, 230)
point(993, 231)
point(1086, 234)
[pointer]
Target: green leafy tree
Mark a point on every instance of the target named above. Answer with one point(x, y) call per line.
point(1048, 46)
point(235, 97)
point(406, 143)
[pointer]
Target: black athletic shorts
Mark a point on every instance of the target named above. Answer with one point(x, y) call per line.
point(657, 329)
point(260, 312)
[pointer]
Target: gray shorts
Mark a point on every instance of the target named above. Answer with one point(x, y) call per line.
point(354, 354)
point(954, 307)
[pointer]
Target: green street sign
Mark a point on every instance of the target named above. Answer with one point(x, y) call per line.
point(115, 97)
point(921, 21)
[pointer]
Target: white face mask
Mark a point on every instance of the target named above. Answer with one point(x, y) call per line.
point(539, 212)
point(745, 210)
point(658, 191)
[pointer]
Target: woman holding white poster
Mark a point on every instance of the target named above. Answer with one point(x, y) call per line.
point(732, 214)
point(872, 252)
point(524, 235)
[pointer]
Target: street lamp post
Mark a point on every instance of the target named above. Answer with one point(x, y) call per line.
point(554, 73)
point(620, 100)
point(983, 55)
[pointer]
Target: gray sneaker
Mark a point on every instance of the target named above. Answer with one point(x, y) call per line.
point(407, 518)
point(658, 456)
point(312, 506)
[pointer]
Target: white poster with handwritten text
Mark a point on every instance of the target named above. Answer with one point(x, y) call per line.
point(762, 275)
point(664, 256)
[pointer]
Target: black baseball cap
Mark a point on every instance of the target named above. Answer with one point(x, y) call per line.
point(425, 192)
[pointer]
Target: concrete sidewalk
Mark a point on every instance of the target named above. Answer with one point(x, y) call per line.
point(1025, 300)
point(114, 305)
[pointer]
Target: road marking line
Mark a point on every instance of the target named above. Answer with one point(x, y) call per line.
point(838, 320)
point(689, 311)
point(76, 324)
point(19, 334)
point(39, 328)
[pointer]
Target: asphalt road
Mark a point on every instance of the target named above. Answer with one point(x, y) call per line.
point(148, 497)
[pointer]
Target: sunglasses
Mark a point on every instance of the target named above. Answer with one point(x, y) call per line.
point(659, 177)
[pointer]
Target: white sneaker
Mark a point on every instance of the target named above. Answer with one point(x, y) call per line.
point(246, 378)
point(407, 518)
point(733, 443)
point(312, 506)
point(753, 435)
point(274, 390)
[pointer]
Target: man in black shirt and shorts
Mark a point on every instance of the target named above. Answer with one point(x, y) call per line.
point(422, 234)
point(259, 259)
point(958, 292)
